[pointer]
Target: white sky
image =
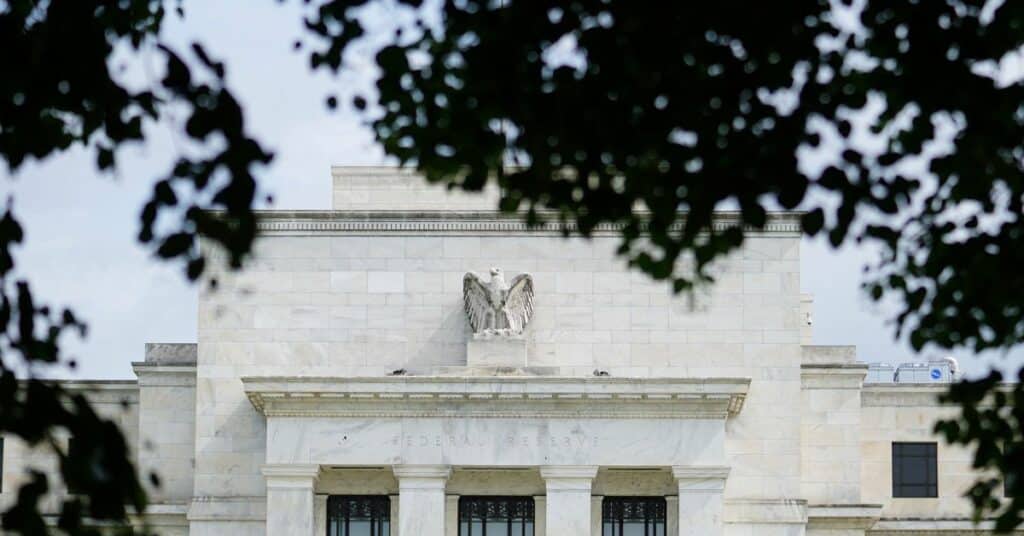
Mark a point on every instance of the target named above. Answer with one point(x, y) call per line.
point(81, 226)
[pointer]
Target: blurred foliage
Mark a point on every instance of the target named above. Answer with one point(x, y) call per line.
point(61, 89)
point(652, 116)
point(587, 112)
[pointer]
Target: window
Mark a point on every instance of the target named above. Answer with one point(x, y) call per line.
point(633, 516)
point(1013, 453)
point(495, 516)
point(74, 453)
point(914, 470)
point(358, 515)
point(1, 465)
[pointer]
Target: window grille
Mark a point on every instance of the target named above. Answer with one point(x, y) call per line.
point(633, 516)
point(496, 516)
point(358, 515)
point(915, 470)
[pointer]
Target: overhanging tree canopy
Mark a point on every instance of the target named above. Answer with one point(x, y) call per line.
point(594, 107)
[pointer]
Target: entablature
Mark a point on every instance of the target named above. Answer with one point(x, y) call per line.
point(432, 396)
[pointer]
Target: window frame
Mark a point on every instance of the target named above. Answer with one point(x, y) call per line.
point(528, 519)
point(377, 505)
point(654, 511)
point(908, 490)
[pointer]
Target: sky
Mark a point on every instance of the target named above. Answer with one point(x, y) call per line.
point(81, 226)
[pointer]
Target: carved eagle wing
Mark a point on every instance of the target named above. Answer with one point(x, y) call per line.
point(474, 294)
point(519, 302)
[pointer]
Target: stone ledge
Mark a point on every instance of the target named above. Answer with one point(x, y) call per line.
point(843, 516)
point(506, 397)
point(766, 511)
point(155, 375)
point(833, 375)
point(902, 394)
point(164, 515)
point(937, 526)
point(228, 509)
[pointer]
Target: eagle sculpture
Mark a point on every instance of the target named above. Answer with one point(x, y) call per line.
point(496, 307)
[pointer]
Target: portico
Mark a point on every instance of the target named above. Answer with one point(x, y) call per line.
point(564, 429)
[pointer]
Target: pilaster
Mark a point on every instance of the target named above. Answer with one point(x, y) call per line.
point(422, 507)
point(568, 499)
point(290, 499)
point(700, 499)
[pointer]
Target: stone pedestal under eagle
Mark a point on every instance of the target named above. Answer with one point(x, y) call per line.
point(497, 307)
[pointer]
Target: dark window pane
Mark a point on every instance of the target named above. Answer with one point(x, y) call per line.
point(73, 453)
point(914, 470)
point(358, 515)
point(633, 516)
point(496, 516)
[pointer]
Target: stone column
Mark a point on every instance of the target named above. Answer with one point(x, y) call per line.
point(671, 515)
point(320, 513)
point(393, 513)
point(290, 500)
point(568, 499)
point(700, 499)
point(540, 515)
point(421, 502)
point(451, 515)
point(596, 521)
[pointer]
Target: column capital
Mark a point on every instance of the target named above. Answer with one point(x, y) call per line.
point(424, 477)
point(580, 472)
point(700, 478)
point(700, 472)
point(287, 475)
point(422, 471)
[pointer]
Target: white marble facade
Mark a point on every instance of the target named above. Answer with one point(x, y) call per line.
point(341, 363)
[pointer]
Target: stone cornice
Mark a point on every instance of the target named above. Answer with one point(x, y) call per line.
point(833, 375)
point(902, 394)
point(279, 222)
point(159, 375)
point(911, 394)
point(432, 396)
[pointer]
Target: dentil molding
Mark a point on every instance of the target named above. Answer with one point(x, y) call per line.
point(433, 396)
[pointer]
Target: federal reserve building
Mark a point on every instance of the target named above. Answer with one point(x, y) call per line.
point(414, 363)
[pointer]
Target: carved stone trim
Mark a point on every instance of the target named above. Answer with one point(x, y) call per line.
point(713, 398)
point(478, 222)
point(291, 476)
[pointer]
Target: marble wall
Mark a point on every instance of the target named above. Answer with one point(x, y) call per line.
point(908, 413)
point(366, 299)
point(115, 400)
